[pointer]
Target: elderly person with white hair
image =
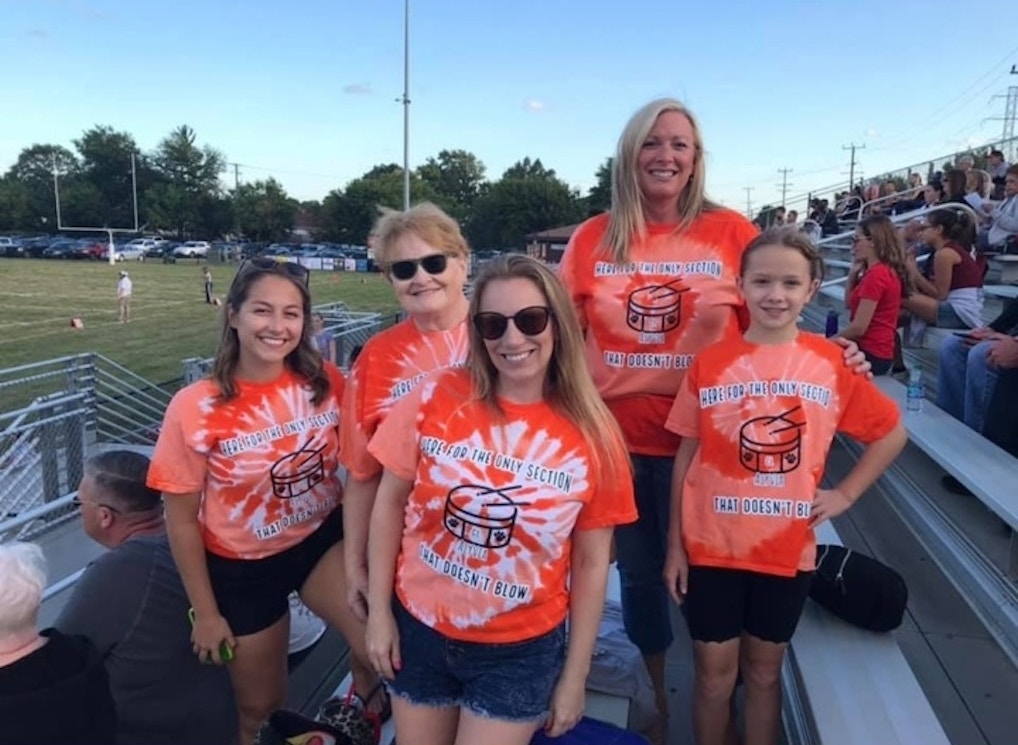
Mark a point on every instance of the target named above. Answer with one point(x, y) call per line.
point(53, 688)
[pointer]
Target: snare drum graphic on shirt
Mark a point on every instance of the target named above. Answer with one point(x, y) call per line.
point(297, 473)
point(655, 309)
point(482, 515)
point(771, 444)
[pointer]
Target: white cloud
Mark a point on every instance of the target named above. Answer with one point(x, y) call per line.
point(534, 104)
point(872, 133)
point(357, 89)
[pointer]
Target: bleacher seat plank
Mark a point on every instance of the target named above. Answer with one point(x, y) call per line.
point(859, 685)
point(1008, 267)
point(1004, 291)
point(985, 469)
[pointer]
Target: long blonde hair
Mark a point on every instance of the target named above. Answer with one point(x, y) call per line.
point(568, 386)
point(626, 219)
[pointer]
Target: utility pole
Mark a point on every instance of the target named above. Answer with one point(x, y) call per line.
point(1011, 108)
point(851, 165)
point(784, 183)
point(406, 105)
point(749, 202)
point(236, 176)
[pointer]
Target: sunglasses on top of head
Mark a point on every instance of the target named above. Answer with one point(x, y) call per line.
point(407, 269)
point(264, 264)
point(530, 321)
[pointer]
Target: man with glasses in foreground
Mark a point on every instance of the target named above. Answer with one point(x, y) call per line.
point(131, 605)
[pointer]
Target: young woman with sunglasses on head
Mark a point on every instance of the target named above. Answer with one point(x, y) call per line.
point(876, 282)
point(426, 259)
point(502, 484)
point(247, 463)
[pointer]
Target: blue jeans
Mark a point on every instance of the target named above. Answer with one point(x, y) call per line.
point(641, 548)
point(965, 381)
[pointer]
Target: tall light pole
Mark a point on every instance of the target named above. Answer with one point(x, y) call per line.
point(406, 105)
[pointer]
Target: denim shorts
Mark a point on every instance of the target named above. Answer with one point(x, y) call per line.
point(512, 682)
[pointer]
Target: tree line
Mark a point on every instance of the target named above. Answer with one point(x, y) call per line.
point(179, 191)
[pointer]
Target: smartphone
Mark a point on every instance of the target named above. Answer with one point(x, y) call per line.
point(225, 650)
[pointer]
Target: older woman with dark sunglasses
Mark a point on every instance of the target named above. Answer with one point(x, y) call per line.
point(247, 464)
point(426, 259)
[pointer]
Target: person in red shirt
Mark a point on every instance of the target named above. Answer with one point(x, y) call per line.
point(653, 282)
point(876, 283)
point(247, 463)
point(426, 259)
point(757, 416)
point(493, 522)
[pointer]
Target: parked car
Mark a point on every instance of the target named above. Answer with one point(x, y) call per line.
point(60, 249)
point(127, 252)
point(12, 247)
point(89, 248)
point(192, 250)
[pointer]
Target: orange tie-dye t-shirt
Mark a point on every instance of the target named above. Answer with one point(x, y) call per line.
point(388, 368)
point(265, 462)
point(646, 321)
point(485, 552)
point(765, 417)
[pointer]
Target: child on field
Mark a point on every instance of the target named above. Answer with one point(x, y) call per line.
point(741, 549)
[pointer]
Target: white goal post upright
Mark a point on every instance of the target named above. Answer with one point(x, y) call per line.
point(110, 246)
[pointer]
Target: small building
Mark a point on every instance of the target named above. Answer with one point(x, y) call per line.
point(548, 245)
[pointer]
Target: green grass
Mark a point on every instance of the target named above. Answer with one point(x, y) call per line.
point(170, 320)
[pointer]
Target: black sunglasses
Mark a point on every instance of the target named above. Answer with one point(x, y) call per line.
point(433, 264)
point(530, 321)
point(77, 502)
point(264, 264)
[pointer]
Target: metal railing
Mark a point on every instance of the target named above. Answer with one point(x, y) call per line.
point(55, 411)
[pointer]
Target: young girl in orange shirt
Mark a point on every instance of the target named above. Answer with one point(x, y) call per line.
point(757, 416)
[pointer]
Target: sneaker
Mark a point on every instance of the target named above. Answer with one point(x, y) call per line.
point(954, 486)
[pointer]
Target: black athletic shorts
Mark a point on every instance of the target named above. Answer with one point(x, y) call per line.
point(253, 594)
point(722, 604)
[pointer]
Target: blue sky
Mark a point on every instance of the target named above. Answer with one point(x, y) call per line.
point(304, 90)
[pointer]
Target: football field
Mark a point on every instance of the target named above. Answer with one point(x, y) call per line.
point(170, 320)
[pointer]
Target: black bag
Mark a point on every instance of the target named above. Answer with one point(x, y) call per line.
point(859, 589)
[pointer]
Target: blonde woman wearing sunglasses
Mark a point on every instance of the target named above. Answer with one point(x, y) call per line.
point(247, 464)
point(502, 485)
point(426, 259)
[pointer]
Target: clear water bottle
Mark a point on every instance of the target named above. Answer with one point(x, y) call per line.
point(914, 396)
point(832, 323)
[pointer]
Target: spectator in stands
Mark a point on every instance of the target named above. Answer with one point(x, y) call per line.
point(953, 297)
point(247, 463)
point(934, 194)
point(470, 663)
point(324, 340)
point(1001, 425)
point(876, 282)
point(53, 688)
point(978, 183)
point(660, 219)
point(997, 168)
point(792, 218)
point(125, 289)
point(426, 260)
point(1003, 215)
point(965, 376)
point(827, 219)
point(955, 186)
point(966, 163)
point(743, 573)
point(131, 605)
